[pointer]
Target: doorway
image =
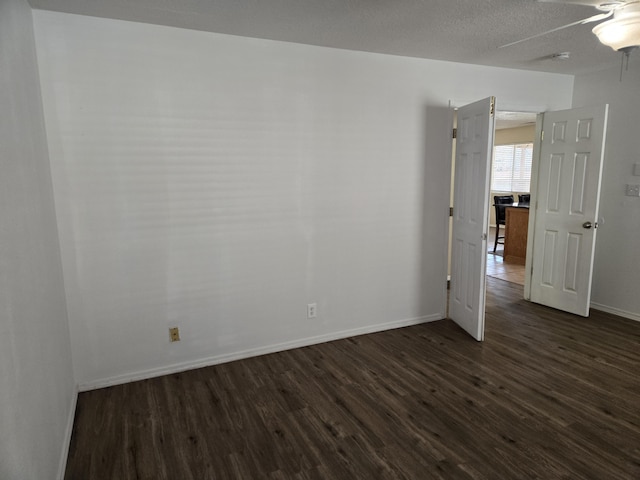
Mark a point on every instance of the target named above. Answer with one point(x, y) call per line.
point(511, 176)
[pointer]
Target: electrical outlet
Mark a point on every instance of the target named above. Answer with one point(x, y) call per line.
point(312, 310)
point(633, 191)
point(174, 334)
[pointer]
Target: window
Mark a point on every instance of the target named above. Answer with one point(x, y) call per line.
point(511, 170)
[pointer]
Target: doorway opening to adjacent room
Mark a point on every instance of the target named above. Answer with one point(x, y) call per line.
point(511, 168)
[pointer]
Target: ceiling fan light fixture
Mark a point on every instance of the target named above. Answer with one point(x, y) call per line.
point(623, 30)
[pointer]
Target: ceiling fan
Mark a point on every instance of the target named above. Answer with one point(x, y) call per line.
point(620, 31)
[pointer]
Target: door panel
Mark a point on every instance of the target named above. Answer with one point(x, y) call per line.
point(568, 194)
point(474, 144)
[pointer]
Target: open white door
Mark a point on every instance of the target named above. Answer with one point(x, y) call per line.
point(474, 145)
point(566, 207)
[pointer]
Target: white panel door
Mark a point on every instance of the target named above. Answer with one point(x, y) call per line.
point(568, 194)
point(474, 145)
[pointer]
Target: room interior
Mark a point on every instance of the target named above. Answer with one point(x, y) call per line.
point(220, 172)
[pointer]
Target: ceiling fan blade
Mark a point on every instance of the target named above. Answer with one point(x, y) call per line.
point(595, 18)
point(603, 5)
point(590, 3)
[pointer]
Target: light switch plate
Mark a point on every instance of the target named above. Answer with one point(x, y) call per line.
point(636, 169)
point(632, 191)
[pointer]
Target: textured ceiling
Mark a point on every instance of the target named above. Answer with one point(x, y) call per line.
point(468, 31)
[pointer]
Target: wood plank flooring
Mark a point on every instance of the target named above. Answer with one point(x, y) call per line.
point(548, 395)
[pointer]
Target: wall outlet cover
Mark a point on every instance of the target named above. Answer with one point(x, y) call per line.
point(174, 334)
point(632, 191)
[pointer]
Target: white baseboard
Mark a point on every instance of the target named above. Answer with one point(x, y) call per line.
point(229, 357)
point(66, 443)
point(616, 311)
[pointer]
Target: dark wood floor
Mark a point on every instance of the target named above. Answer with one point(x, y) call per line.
point(547, 395)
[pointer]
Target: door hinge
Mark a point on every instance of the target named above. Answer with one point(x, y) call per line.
point(542, 136)
point(451, 211)
point(454, 134)
point(484, 236)
point(493, 106)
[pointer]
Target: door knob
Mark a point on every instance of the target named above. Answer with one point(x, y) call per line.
point(587, 225)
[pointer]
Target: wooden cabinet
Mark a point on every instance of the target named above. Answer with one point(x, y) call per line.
point(515, 234)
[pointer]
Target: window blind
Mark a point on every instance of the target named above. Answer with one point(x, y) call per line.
point(511, 169)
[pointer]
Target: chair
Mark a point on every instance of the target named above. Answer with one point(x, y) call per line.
point(525, 198)
point(499, 202)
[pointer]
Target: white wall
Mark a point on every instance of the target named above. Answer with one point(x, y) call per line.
point(221, 184)
point(617, 261)
point(37, 392)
